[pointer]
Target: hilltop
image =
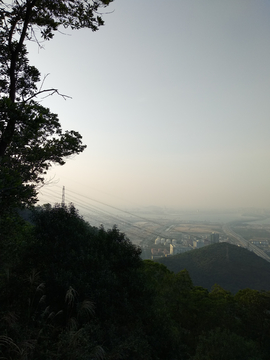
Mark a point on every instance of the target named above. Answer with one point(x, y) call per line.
point(227, 265)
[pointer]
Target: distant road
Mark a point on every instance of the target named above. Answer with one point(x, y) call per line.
point(170, 228)
point(239, 240)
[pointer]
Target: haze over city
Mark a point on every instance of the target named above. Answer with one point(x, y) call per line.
point(172, 101)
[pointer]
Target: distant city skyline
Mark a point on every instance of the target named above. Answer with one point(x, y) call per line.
point(172, 104)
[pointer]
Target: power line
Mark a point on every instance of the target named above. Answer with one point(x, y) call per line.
point(102, 212)
point(115, 208)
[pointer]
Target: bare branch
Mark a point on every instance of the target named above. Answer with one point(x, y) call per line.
point(45, 77)
point(47, 182)
point(34, 38)
point(51, 91)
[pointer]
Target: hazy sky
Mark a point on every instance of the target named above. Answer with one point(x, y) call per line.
point(172, 100)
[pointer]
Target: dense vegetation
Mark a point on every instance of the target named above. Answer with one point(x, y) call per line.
point(72, 291)
point(232, 267)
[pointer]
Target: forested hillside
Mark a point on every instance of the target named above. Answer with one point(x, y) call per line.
point(72, 291)
point(232, 267)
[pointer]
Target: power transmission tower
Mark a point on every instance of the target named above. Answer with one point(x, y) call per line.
point(63, 196)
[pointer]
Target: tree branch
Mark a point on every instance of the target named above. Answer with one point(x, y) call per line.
point(52, 92)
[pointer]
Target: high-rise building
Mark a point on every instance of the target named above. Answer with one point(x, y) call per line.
point(197, 244)
point(214, 238)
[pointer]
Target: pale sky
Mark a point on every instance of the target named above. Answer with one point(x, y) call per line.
point(172, 100)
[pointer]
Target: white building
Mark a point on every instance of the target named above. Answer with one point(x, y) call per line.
point(178, 249)
point(157, 241)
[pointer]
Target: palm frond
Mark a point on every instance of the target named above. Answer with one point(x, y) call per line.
point(86, 309)
point(72, 324)
point(98, 353)
point(70, 296)
point(9, 342)
point(40, 287)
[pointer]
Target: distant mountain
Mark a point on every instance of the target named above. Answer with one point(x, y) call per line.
point(230, 266)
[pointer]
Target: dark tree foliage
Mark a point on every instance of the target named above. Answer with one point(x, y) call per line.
point(31, 138)
point(224, 345)
point(23, 20)
point(72, 291)
point(101, 265)
point(86, 282)
point(37, 143)
point(63, 272)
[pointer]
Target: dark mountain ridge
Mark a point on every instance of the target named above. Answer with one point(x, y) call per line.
point(230, 266)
